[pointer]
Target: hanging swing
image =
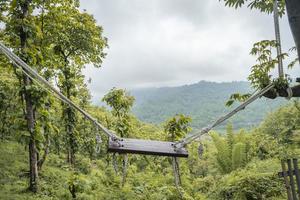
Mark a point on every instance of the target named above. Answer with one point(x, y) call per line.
point(161, 148)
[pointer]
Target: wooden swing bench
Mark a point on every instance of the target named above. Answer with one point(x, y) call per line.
point(146, 147)
point(161, 148)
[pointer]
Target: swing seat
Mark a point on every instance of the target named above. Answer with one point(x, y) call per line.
point(146, 147)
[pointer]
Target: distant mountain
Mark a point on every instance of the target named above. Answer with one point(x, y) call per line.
point(203, 101)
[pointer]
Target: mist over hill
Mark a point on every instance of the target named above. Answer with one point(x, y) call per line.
point(203, 101)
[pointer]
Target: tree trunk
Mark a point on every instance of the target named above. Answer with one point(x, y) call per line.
point(46, 152)
point(293, 12)
point(71, 152)
point(70, 134)
point(70, 118)
point(30, 112)
point(72, 190)
point(32, 143)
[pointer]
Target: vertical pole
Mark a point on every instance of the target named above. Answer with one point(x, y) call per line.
point(291, 175)
point(293, 12)
point(295, 162)
point(278, 39)
point(287, 184)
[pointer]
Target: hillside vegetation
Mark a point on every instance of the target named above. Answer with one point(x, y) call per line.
point(48, 150)
point(235, 165)
point(203, 101)
point(238, 165)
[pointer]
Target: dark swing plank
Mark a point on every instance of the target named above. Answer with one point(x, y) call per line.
point(147, 147)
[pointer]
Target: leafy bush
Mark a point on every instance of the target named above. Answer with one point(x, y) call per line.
point(84, 165)
point(250, 183)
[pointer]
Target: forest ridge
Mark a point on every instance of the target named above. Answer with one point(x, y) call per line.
point(203, 101)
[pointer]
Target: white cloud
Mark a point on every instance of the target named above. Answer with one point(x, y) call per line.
point(173, 42)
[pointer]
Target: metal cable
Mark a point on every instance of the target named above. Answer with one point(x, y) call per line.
point(36, 77)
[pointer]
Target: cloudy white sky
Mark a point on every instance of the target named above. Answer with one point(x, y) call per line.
point(154, 43)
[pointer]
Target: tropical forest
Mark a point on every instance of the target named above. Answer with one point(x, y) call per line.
point(210, 139)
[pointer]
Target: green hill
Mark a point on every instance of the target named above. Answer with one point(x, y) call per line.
point(203, 101)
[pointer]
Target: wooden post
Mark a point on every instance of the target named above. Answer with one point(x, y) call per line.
point(287, 184)
point(295, 162)
point(291, 175)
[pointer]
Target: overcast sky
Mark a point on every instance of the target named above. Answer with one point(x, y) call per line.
point(154, 43)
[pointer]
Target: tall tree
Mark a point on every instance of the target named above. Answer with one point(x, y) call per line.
point(77, 41)
point(21, 34)
point(176, 128)
point(40, 32)
point(121, 102)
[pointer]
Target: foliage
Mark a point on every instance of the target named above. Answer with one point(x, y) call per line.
point(71, 39)
point(262, 5)
point(9, 119)
point(23, 35)
point(259, 76)
point(250, 183)
point(177, 127)
point(249, 171)
point(282, 126)
point(58, 40)
point(238, 97)
point(260, 73)
point(233, 150)
point(121, 102)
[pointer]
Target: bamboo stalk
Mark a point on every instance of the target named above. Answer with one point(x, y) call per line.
point(292, 183)
point(286, 181)
point(295, 162)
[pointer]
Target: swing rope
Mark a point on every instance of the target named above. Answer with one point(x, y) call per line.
point(114, 162)
point(176, 171)
point(124, 168)
point(180, 144)
point(177, 178)
point(32, 74)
